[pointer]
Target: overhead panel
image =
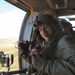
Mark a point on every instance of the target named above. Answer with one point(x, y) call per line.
point(61, 7)
point(19, 4)
point(57, 4)
point(36, 4)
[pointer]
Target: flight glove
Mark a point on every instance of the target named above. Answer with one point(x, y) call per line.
point(23, 47)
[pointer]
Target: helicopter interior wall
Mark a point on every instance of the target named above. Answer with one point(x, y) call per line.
point(27, 30)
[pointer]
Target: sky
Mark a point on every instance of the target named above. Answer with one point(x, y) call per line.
point(11, 19)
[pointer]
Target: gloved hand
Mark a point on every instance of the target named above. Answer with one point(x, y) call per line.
point(23, 47)
point(35, 51)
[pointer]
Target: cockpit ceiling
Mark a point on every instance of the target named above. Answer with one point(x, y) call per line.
point(45, 4)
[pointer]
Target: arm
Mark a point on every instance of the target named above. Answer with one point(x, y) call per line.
point(54, 67)
point(59, 66)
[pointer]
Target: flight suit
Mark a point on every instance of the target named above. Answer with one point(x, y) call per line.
point(57, 61)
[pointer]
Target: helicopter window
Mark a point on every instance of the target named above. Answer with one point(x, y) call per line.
point(11, 18)
point(70, 19)
point(73, 24)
